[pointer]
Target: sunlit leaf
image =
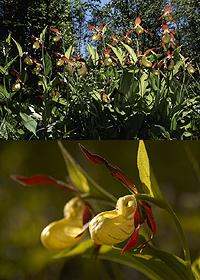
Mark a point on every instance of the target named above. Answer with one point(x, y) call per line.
point(145, 172)
point(29, 122)
point(155, 264)
point(69, 52)
point(42, 34)
point(131, 52)
point(143, 83)
point(78, 250)
point(94, 54)
point(76, 174)
point(118, 52)
point(80, 179)
point(20, 51)
point(196, 268)
point(4, 94)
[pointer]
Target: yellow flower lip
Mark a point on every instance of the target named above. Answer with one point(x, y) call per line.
point(61, 234)
point(67, 232)
point(115, 226)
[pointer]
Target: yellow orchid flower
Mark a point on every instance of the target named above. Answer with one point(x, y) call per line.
point(67, 232)
point(127, 219)
point(115, 226)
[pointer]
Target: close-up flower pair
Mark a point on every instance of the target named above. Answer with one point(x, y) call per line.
point(122, 223)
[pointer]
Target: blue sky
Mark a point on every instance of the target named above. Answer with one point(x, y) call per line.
point(104, 1)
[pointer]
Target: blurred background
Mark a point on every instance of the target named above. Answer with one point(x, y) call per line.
point(25, 211)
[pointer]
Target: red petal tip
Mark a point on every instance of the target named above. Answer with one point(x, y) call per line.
point(132, 241)
point(92, 157)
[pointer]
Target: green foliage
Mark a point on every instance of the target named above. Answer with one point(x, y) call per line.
point(119, 89)
point(153, 263)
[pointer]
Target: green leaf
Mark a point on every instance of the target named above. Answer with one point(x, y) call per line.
point(3, 70)
point(94, 54)
point(145, 172)
point(4, 94)
point(42, 34)
point(29, 122)
point(80, 179)
point(48, 64)
point(118, 52)
point(20, 51)
point(155, 264)
point(8, 39)
point(69, 52)
point(78, 250)
point(76, 173)
point(196, 268)
point(131, 52)
point(143, 83)
point(9, 64)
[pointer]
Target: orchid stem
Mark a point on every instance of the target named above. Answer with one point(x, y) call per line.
point(186, 250)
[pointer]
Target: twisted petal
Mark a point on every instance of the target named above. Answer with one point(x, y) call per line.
point(115, 171)
point(133, 240)
point(36, 180)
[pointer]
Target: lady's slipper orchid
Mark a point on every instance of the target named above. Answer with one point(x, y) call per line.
point(106, 227)
point(138, 28)
point(168, 37)
point(99, 31)
point(112, 227)
point(58, 34)
point(81, 68)
point(28, 60)
point(68, 231)
point(37, 44)
point(167, 14)
point(190, 68)
point(17, 85)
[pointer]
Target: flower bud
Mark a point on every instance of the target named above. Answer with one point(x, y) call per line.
point(115, 226)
